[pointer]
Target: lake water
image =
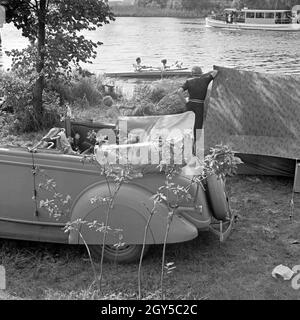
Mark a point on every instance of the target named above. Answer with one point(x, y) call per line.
point(185, 40)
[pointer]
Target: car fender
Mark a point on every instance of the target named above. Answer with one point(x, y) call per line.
point(127, 218)
point(200, 214)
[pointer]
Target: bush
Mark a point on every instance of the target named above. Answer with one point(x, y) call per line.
point(85, 87)
point(18, 102)
point(16, 91)
point(170, 104)
point(63, 90)
point(25, 120)
point(144, 109)
point(157, 93)
point(156, 98)
point(140, 104)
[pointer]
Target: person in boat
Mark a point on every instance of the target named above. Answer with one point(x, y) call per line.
point(229, 18)
point(178, 65)
point(164, 64)
point(197, 89)
point(138, 65)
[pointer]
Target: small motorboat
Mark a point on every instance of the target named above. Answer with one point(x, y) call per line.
point(151, 74)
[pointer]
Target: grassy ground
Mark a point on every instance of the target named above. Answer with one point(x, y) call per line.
point(238, 269)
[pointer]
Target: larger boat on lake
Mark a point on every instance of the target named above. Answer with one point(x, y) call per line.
point(253, 19)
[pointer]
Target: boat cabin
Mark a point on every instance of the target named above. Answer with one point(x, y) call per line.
point(256, 16)
point(267, 16)
point(256, 19)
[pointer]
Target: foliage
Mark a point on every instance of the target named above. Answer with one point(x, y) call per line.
point(17, 91)
point(196, 7)
point(147, 98)
point(63, 47)
point(56, 45)
point(84, 91)
point(135, 11)
point(172, 195)
point(58, 204)
point(81, 94)
point(140, 104)
point(266, 4)
point(221, 161)
point(183, 4)
point(98, 227)
point(85, 88)
point(195, 4)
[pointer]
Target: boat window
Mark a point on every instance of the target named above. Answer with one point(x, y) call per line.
point(287, 14)
point(260, 15)
point(250, 15)
point(269, 15)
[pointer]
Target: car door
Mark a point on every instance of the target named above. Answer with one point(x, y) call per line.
point(17, 208)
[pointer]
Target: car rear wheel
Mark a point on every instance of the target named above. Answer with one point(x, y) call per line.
point(124, 254)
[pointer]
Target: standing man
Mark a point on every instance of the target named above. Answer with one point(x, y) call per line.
point(197, 89)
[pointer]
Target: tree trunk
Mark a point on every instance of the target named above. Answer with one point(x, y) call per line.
point(39, 85)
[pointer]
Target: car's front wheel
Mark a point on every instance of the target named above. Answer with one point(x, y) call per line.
point(124, 254)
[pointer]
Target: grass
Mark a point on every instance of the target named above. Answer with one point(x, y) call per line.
point(240, 268)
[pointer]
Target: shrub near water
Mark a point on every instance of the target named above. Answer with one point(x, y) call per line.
point(156, 98)
point(86, 91)
point(84, 95)
point(18, 93)
point(17, 112)
point(86, 87)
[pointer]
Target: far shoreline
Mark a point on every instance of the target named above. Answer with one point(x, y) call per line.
point(158, 16)
point(140, 12)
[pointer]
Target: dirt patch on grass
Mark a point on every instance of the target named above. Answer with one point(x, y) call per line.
point(240, 268)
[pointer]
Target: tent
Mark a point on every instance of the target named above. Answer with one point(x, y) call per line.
point(258, 115)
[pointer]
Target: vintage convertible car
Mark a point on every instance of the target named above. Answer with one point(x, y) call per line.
point(23, 171)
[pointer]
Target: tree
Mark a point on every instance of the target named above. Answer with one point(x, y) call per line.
point(56, 46)
point(237, 4)
point(270, 4)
